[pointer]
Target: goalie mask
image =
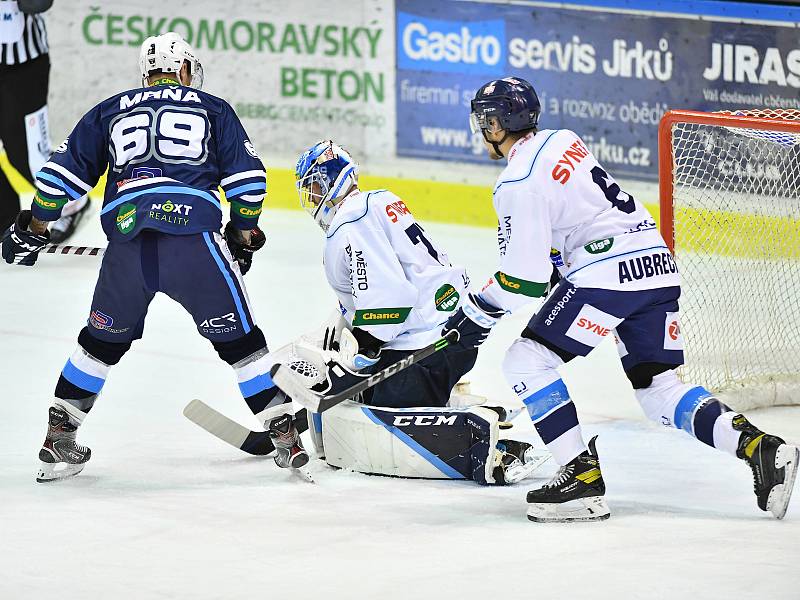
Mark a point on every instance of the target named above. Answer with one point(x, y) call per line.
point(167, 53)
point(325, 173)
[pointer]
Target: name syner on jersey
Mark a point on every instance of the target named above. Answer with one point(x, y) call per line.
point(162, 93)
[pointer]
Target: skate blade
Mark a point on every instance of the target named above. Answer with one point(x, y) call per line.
point(52, 472)
point(303, 473)
point(593, 508)
point(787, 457)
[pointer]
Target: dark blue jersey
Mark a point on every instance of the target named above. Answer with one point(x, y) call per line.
point(167, 148)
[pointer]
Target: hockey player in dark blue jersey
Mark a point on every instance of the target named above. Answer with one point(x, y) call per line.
point(168, 147)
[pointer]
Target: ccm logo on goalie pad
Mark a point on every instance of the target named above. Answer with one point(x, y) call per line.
point(592, 325)
point(406, 420)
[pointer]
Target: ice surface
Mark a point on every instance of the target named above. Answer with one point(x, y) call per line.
point(163, 510)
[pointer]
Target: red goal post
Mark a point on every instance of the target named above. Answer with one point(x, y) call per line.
point(782, 120)
point(729, 191)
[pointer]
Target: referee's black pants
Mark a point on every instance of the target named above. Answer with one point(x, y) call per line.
point(23, 90)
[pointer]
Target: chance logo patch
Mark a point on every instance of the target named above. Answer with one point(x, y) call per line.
point(381, 316)
point(446, 298)
point(126, 218)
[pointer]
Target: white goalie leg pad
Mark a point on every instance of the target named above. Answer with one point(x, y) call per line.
point(427, 442)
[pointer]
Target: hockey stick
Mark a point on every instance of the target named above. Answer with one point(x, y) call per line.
point(78, 250)
point(288, 381)
point(257, 443)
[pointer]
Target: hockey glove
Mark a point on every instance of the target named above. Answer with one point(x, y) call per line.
point(473, 321)
point(21, 246)
point(240, 249)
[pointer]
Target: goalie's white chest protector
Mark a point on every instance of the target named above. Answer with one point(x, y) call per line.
point(390, 278)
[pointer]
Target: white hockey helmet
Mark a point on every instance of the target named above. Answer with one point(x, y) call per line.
point(167, 53)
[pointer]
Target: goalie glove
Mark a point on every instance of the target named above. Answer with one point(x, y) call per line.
point(333, 375)
point(473, 320)
point(241, 250)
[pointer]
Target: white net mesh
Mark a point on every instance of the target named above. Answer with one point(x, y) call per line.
point(736, 215)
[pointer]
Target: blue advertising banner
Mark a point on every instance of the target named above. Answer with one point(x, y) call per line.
point(607, 75)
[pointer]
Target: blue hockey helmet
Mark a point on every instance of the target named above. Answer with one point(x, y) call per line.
point(324, 174)
point(511, 101)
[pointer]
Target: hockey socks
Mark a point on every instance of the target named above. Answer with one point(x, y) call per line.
point(556, 421)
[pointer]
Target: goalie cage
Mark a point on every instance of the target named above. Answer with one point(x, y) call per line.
point(730, 209)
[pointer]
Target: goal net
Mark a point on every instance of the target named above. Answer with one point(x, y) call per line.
point(730, 209)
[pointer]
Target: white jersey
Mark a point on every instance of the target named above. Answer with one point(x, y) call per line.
point(389, 277)
point(557, 206)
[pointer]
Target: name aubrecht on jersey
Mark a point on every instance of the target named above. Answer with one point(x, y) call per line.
point(642, 267)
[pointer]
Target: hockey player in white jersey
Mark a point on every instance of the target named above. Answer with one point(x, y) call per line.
point(396, 288)
point(557, 207)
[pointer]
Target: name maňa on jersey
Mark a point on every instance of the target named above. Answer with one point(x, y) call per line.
point(162, 93)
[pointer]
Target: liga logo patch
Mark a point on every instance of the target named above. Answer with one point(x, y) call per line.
point(673, 338)
point(592, 326)
point(446, 298)
point(126, 218)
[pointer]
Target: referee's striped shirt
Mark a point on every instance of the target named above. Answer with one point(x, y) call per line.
point(32, 43)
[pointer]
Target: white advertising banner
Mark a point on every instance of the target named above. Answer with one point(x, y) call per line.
point(295, 72)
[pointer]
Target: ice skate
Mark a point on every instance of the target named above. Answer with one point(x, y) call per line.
point(774, 464)
point(289, 451)
point(516, 460)
point(574, 494)
point(61, 456)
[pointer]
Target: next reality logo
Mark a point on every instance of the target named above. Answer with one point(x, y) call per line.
point(454, 46)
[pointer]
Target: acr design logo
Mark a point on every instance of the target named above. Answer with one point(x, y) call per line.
point(219, 322)
point(450, 46)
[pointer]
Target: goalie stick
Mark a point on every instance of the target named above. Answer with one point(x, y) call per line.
point(288, 381)
point(257, 443)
